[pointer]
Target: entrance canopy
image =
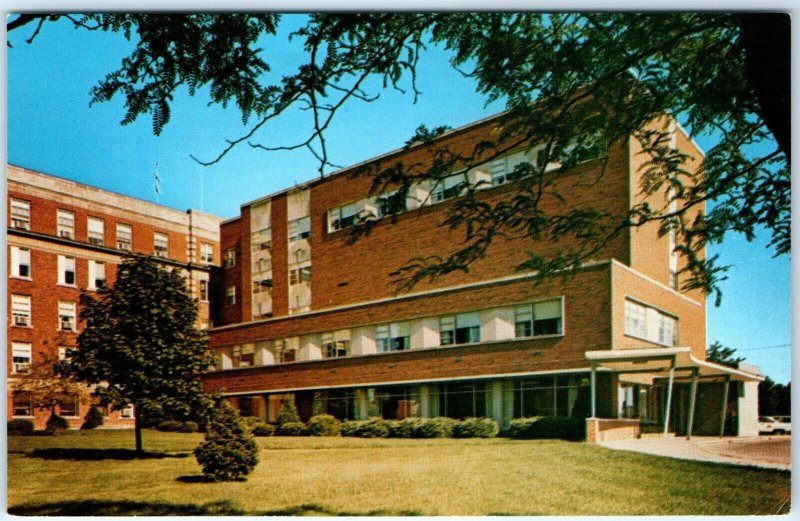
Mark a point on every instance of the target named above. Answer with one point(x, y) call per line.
point(676, 362)
point(662, 360)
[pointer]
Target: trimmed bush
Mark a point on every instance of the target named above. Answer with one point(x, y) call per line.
point(169, 426)
point(422, 428)
point(258, 427)
point(56, 423)
point(188, 426)
point(93, 419)
point(324, 425)
point(19, 427)
point(476, 428)
point(372, 428)
point(548, 427)
point(291, 429)
point(229, 452)
point(288, 412)
point(406, 428)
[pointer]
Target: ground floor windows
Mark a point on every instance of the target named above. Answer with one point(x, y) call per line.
point(339, 403)
point(565, 395)
point(461, 400)
point(22, 404)
point(68, 405)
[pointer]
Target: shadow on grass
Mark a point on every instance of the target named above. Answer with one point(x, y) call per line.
point(93, 507)
point(101, 454)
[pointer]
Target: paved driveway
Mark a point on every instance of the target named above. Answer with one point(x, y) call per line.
point(763, 451)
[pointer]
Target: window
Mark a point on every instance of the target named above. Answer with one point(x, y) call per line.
point(448, 188)
point(336, 344)
point(203, 291)
point(391, 203)
point(63, 352)
point(230, 295)
point(464, 328)
point(20, 262)
point(300, 276)
point(342, 217)
point(230, 257)
point(503, 168)
point(20, 214)
point(539, 318)
point(97, 274)
point(65, 224)
point(66, 316)
point(300, 229)
point(22, 403)
point(21, 310)
point(243, 355)
point(21, 358)
point(261, 240)
point(284, 351)
point(96, 231)
point(126, 412)
point(206, 253)
point(68, 405)
point(124, 237)
point(392, 337)
point(161, 245)
point(650, 324)
point(66, 270)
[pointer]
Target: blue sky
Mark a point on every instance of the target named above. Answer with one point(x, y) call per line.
point(51, 128)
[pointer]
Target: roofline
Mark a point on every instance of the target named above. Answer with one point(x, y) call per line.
point(305, 184)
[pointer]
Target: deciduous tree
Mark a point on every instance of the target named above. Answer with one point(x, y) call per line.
point(140, 345)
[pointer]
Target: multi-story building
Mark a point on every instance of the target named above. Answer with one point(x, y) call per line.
point(64, 237)
point(308, 312)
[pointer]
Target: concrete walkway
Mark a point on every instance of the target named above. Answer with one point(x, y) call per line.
point(772, 452)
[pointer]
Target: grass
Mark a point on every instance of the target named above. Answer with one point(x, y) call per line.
point(349, 476)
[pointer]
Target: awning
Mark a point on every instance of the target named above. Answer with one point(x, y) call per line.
point(661, 360)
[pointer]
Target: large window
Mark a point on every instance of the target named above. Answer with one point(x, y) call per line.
point(341, 404)
point(21, 310)
point(392, 337)
point(336, 344)
point(503, 168)
point(449, 187)
point(66, 270)
point(461, 400)
point(65, 223)
point(66, 316)
point(394, 402)
point(20, 262)
point(391, 203)
point(68, 405)
point(464, 328)
point(204, 291)
point(124, 237)
point(300, 229)
point(300, 276)
point(243, 355)
point(21, 358)
point(20, 214)
point(160, 245)
point(539, 318)
point(562, 395)
point(206, 253)
point(648, 323)
point(97, 274)
point(284, 350)
point(96, 228)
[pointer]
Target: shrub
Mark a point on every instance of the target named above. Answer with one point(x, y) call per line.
point(476, 428)
point(229, 452)
point(56, 423)
point(20, 427)
point(422, 428)
point(257, 426)
point(291, 429)
point(548, 427)
point(288, 412)
point(188, 426)
point(406, 428)
point(324, 425)
point(93, 419)
point(372, 428)
point(169, 426)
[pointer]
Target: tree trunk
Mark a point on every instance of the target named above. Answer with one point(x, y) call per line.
point(138, 430)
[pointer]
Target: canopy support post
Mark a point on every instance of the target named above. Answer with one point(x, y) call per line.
point(724, 410)
point(593, 390)
point(669, 397)
point(692, 403)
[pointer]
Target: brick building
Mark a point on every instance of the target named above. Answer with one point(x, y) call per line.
point(308, 313)
point(64, 237)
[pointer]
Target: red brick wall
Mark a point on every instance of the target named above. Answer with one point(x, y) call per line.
point(231, 237)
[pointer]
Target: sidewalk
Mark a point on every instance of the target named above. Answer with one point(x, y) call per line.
point(772, 452)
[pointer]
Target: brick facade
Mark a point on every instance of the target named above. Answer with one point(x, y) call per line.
point(45, 194)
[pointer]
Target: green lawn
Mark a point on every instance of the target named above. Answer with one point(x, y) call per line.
point(330, 476)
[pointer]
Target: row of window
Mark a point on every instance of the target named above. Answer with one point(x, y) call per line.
point(529, 320)
point(23, 405)
point(65, 228)
point(22, 316)
point(21, 268)
point(651, 324)
point(22, 356)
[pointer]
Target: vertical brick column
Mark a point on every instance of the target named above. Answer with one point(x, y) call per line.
point(592, 431)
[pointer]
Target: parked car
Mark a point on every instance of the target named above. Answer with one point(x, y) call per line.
point(774, 425)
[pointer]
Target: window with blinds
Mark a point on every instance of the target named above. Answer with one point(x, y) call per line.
point(96, 227)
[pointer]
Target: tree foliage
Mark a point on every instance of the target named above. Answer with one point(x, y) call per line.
point(45, 384)
point(722, 355)
point(140, 346)
point(229, 452)
point(774, 398)
point(573, 83)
